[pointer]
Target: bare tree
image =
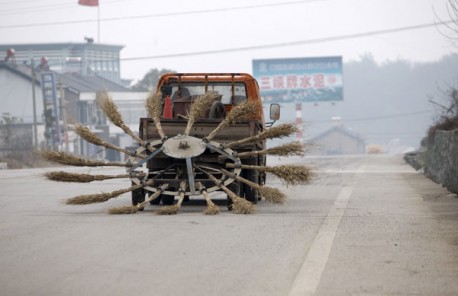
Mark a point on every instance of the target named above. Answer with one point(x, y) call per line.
point(448, 25)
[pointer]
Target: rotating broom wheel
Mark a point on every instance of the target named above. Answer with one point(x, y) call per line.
point(184, 165)
point(183, 150)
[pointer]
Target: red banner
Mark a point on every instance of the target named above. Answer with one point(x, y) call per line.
point(88, 2)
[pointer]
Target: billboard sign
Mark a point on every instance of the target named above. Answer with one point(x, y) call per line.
point(300, 79)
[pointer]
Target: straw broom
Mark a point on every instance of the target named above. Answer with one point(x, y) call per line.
point(237, 113)
point(70, 159)
point(239, 205)
point(104, 196)
point(85, 133)
point(111, 111)
point(211, 209)
point(80, 178)
point(198, 109)
point(99, 197)
point(289, 149)
point(270, 194)
point(154, 108)
point(290, 174)
point(140, 206)
point(279, 131)
point(173, 209)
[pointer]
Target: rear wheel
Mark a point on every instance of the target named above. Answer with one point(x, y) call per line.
point(250, 193)
point(167, 199)
point(138, 196)
point(155, 201)
point(234, 187)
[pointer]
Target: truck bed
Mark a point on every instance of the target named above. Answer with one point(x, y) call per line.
point(200, 129)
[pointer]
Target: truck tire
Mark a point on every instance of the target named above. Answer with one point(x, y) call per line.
point(250, 194)
point(236, 188)
point(155, 201)
point(167, 200)
point(217, 110)
point(138, 196)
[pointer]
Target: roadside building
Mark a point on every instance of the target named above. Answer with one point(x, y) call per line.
point(339, 140)
point(86, 58)
point(73, 101)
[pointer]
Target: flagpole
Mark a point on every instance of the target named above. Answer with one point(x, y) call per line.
point(93, 3)
point(98, 23)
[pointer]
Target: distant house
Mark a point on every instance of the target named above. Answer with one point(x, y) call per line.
point(85, 58)
point(339, 140)
point(80, 93)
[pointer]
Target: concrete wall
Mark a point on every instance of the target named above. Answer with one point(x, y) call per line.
point(16, 97)
point(441, 163)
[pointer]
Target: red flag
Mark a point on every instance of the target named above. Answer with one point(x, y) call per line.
point(88, 2)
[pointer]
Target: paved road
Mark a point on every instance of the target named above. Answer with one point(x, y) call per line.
point(365, 226)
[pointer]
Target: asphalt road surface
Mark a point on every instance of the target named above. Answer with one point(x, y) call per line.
point(366, 225)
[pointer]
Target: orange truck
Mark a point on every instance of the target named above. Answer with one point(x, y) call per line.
point(191, 157)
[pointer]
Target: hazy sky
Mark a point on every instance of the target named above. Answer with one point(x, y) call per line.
point(164, 28)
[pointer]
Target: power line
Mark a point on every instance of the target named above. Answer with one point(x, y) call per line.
point(291, 43)
point(389, 116)
point(168, 14)
point(6, 2)
point(376, 117)
point(47, 7)
point(285, 44)
point(34, 9)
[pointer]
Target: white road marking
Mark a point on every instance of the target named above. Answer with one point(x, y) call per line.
point(309, 276)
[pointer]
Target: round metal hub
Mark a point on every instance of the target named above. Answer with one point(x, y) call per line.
point(183, 146)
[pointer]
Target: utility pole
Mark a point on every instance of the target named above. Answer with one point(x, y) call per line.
point(35, 132)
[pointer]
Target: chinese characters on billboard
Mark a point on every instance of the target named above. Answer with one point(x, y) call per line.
point(300, 79)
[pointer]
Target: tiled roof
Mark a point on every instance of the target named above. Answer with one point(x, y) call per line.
point(90, 83)
point(21, 70)
point(338, 129)
point(77, 82)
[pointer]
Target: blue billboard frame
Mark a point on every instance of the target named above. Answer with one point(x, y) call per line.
point(300, 79)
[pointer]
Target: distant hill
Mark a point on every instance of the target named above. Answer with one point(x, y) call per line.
point(384, 103)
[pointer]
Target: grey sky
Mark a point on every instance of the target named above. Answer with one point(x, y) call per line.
point(245, 23)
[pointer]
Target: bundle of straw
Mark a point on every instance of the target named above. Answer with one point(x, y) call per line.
point(290, 174)
point(198, 108)
point(80, 178)
point(270, 194)
point(140, 206)
point(69, 159)
point(289, 149)
point(124, 210)
point(154, 108)
point(237, 113)
point(279, 131)
point(85, 133)
point(100, 197)
point(173, 209)
point(239, 205)
point(104, 196)
point(154, 105)
point(211, 209)
point(110, 109)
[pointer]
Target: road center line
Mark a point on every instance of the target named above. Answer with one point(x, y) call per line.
point(309, 276)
